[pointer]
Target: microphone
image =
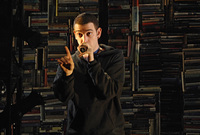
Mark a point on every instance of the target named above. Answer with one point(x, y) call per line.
point(83, 48)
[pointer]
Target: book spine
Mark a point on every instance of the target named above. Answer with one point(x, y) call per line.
point(135, 15)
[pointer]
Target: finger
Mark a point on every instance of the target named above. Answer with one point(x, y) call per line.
point(67, 51)
point(63, 65)
point(59, 61)
point(81, 54)
point(65, 60)
point(62, 60)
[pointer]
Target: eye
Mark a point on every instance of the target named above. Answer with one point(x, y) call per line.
point(80, 35)
point(89, 33)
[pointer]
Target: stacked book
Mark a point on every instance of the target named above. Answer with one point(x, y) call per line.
point(89, 6)
point(142, 110)
point(28, 66)
point(31, 121)
point(66, 9)
point(53, 114)
point(191, 84)
point(58, 39)
point(152, 16)
point(186, 15)
point(119, 24)
point(31, 5)
point(38, 21)
point(126, 96)
point(150, 71)
point(171, 97)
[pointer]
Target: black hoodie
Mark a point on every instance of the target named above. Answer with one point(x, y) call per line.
point(92, 93)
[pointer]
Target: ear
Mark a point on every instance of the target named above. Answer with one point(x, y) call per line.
point(74, 34)
point(99, 31)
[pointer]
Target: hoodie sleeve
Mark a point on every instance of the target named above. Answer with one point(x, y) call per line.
point(63, 86)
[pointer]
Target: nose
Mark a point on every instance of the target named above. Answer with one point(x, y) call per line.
point(84, 38)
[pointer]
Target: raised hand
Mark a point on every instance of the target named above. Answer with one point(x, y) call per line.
point(67, 63)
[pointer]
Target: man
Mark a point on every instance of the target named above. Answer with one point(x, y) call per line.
point(91, 82)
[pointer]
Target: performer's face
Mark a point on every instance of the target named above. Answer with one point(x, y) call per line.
point(87, 34)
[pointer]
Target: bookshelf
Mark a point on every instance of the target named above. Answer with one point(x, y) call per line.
point(142, 113)
point(158, 62)
point(33, 66)
point(119, 24)
point(164, 55)
point(160, 42)
point(190, 78)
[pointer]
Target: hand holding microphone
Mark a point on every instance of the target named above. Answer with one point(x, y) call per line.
point(83, 48)
point(86, 51)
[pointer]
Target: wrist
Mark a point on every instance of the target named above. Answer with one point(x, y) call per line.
point(92, 63)
point(91, 57)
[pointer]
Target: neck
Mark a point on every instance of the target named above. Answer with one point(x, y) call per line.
point(96, 48)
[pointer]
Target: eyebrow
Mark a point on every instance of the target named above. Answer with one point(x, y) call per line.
point(84, 30)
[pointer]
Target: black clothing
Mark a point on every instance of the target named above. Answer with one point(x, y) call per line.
point(93, 93)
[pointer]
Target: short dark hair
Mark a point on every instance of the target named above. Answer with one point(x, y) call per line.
point(85, 18)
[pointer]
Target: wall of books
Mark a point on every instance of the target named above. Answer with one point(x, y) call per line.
point(55, 25)
point(166, 61)
point(186, 15)
point(160, 43)
point(159, 63)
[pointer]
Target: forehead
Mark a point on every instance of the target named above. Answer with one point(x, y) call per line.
point(84, 28)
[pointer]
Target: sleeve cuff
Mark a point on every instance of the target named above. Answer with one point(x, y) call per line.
point(67, 77)
point(92, 63)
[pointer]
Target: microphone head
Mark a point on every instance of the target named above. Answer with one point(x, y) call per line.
point(83, 48)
